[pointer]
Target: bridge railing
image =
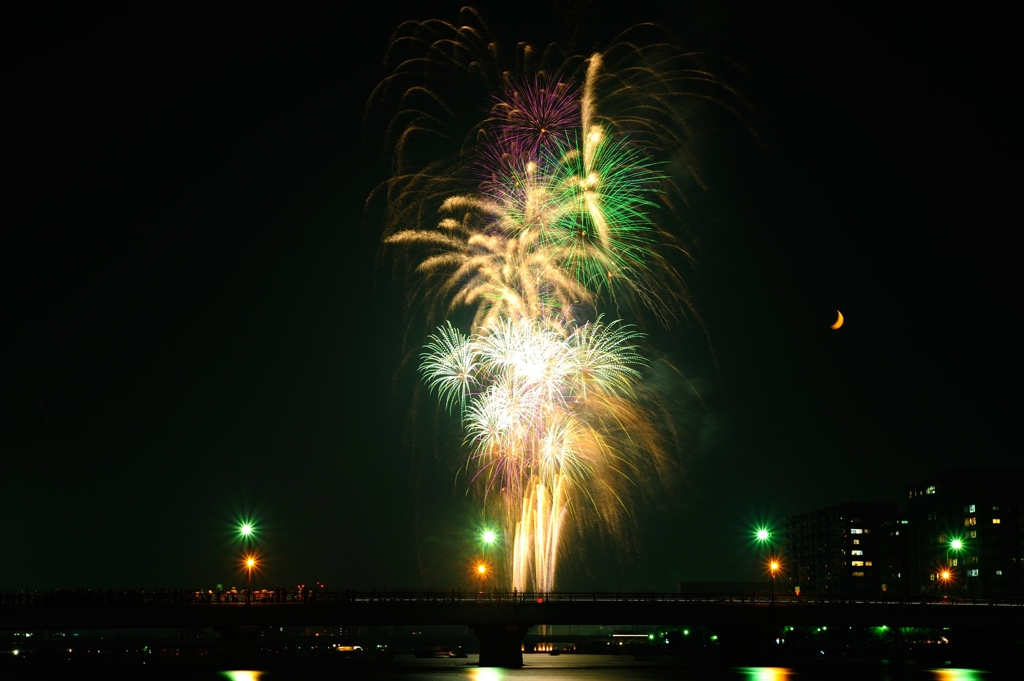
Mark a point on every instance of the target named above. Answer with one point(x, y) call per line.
point(99, 598)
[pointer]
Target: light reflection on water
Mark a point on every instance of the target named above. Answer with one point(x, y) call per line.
point(613, 668)
point(766, 673)
point(486, 674)
point(957, 674)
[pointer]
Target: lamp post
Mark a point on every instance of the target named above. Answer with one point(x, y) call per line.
point(763, 535)
point(481, 571)
point(250, 563)
point(246, 530)
point(957, 545)
point(773, 566)
point(488, 537)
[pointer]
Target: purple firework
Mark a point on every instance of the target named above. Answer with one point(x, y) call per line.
point(527, 125)
point(533, 115)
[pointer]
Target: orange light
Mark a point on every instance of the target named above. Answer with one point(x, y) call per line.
point(774, 565)
point(945, 574)
point(481, 568)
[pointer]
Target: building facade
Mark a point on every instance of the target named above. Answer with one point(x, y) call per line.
point(967, 533)
point(850, 549)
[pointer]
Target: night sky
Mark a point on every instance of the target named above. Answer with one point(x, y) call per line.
point(197, 324)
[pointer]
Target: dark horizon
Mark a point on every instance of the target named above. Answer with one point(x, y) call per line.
point(201, 328)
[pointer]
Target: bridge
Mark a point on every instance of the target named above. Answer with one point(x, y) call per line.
point(499, 619)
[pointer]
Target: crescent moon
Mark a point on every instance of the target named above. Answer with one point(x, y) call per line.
point(839, 322)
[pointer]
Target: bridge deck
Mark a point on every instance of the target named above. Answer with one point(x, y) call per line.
point(177, 608)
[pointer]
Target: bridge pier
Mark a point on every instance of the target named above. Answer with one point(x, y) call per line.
point(501, 645)
point(750, 645)
point(239, 645)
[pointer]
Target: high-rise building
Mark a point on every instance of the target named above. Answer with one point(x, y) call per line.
point(850, 548)
point(967, 533)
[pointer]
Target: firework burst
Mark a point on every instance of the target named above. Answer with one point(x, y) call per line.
point(548, 212)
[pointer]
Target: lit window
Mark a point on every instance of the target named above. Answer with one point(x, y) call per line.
point(897, 533)
point(930, 489)
point(972, 508)
point(854, 530)
point(857, 563)
point(904, 522)
point(867, 563)
point(999, 572)
point(972, 573)
point(974, 534)
point(856, 541)
point(995, 508)
point(867, 530)
point(857, 553)
point(942, 539)
point(858, 574)
point(954, 562)
point(970, 521)
point(932, 576)
point(995, 521)
point(973, 560)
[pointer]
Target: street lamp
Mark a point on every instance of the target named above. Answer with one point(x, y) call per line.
point(945, 576)
point(247, 532)
point(481, 571)
point(957, 545)
point(773, 567)
point(250, 564)
point(763, 535)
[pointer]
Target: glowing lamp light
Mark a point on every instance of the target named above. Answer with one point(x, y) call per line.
point(481, 569)
point(956, 544)
point(762, 535)
point(250, 563)
point(944, 574)
point(489, 537)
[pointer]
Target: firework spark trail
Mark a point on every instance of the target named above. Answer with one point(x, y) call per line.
point(559, 221)
point(562, 213)
point(559, 217)
point(533, 400)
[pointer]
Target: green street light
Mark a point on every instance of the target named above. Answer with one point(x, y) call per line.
point(956, 545)
point(489, 537)
point(762, 535)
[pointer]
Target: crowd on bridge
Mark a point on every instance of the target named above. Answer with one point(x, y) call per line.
point(106, 597)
